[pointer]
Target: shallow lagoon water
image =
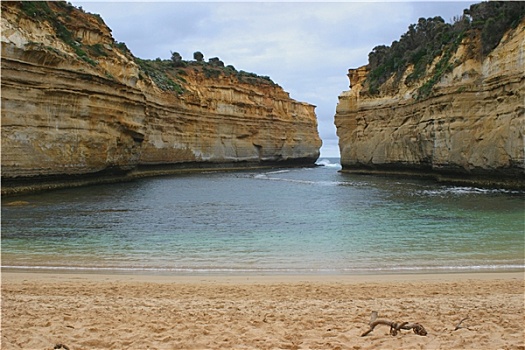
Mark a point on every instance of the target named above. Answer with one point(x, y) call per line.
point(274, 221)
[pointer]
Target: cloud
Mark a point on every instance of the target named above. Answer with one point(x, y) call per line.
point(306, 47)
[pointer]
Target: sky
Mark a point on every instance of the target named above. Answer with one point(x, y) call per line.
point(305, 47)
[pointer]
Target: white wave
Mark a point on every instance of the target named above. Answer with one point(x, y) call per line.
point(469, 268)
point(465, 191)
point(278, 171)
point(307, 182)
point(266, 175)
point(271, 270)
point(327, 163)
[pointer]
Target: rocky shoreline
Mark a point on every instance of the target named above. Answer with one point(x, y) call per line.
point(489, 180)
point(30, 185)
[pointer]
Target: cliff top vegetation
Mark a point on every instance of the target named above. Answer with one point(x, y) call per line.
point(432, 37)
point(167, 74)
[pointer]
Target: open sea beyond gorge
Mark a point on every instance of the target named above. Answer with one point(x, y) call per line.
point(273, 221)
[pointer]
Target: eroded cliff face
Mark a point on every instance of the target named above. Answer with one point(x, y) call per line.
point(471, 128)
point(225, 120)
point(77, 107)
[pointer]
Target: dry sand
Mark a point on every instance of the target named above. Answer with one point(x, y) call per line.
point(86, 311)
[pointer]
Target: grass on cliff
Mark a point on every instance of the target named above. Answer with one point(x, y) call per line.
point(60, 18)
point(157, 71)
point(432, 37)
point(168, 75)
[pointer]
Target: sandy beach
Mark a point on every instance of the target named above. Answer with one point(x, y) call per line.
point(88, 311)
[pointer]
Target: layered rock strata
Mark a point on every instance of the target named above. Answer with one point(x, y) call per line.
point(471, 128)
point(77, 108)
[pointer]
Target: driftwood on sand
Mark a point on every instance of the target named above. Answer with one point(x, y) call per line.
point(459, 326)
point(395, 327)
point(61, 346)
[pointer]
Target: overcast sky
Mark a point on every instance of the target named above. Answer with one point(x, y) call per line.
point(305, 47)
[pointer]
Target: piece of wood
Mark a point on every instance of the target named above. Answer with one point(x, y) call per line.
point(61, 346)
point(458, 326)
point(395, 327)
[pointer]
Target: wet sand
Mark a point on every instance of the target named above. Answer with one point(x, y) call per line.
point(90, 311)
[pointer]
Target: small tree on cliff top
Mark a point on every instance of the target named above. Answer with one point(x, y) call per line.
point(176, 58)
point(198, 56)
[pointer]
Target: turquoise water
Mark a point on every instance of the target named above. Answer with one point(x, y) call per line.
point(297, 221)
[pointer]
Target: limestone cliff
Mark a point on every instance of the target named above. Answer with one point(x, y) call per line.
point(470, 127)
point(78, 107)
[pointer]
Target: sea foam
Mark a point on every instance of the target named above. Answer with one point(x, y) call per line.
point(327, 163)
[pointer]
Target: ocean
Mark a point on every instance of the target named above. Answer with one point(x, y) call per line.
point(313, 220)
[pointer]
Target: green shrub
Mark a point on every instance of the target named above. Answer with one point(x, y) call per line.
point(432, 37)
point(36, 9)
point(211, 73)
point(156, 70)
point(198, 56)
point(97, 50)
point(122, 47)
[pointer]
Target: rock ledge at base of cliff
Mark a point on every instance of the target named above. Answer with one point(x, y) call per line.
point(25, 185)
